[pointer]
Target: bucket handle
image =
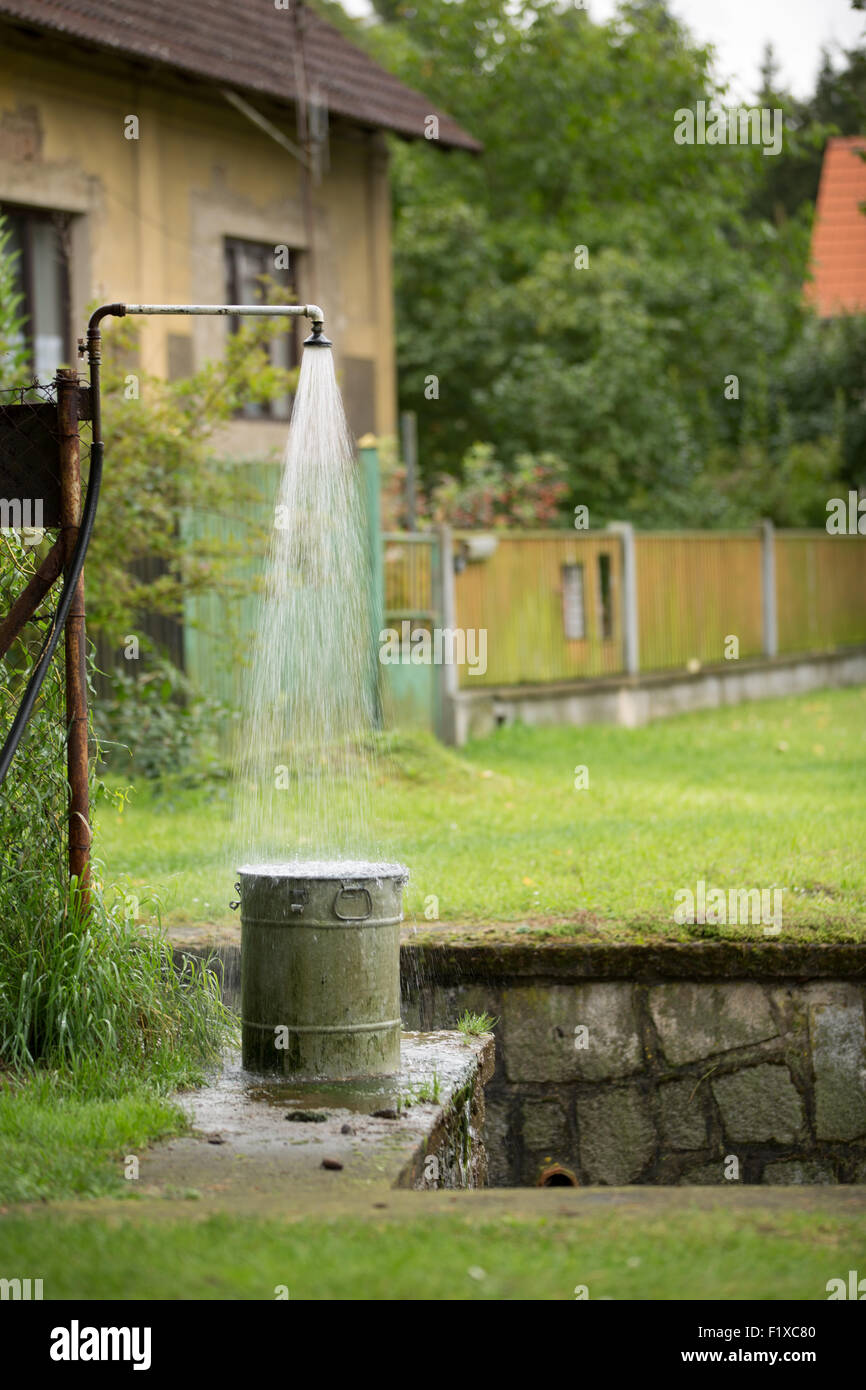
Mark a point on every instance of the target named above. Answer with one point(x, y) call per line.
point(353, 917)
point(234, 906)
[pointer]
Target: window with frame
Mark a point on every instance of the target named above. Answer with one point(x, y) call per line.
point(39, 241)
point(605, 596)
point(247, 263)
point(573, 612)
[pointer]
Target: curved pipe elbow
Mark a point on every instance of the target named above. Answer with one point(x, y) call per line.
point(104, 310)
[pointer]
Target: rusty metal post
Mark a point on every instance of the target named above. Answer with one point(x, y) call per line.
point(75, 637)
point(31, 596)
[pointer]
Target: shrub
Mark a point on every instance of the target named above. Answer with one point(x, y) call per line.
point(152, 715)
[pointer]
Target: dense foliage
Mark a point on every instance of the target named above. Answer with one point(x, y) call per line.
point(618, 360)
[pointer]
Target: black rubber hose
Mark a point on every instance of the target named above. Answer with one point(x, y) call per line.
point(34, 685)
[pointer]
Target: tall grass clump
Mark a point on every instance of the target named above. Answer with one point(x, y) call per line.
point(85, 992)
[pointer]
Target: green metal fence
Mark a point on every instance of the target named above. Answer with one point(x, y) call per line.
point(412, 693)
point(218, 622)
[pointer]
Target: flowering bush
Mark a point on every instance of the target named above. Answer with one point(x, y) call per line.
point(488, 496)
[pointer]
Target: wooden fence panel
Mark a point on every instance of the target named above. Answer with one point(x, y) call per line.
point(820, 590)
point(694, 590)
point(408, 574)
point(517, 595)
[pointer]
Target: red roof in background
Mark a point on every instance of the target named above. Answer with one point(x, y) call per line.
point(838, 259)
point(248, 45)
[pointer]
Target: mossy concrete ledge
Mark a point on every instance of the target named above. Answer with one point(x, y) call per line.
point(273, 1138)
point(447, 962)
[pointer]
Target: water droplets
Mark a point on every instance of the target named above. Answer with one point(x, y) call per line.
point(307, 742)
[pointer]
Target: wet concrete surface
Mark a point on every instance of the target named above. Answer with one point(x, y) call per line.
point(244, 1145)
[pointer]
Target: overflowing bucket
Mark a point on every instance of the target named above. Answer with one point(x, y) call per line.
point(320, 969)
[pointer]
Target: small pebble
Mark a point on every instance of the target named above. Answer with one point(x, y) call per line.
point(385, 1115)
point(333, 1163)
point(346, 1129)
point(215, 1139)
point(306, 1117)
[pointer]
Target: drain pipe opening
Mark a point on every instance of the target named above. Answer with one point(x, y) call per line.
point(557, 1176)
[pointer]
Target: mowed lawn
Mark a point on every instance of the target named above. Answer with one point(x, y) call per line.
point(766, 795)
point(444, 1251)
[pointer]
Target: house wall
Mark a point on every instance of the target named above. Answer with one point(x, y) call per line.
point(150, 215)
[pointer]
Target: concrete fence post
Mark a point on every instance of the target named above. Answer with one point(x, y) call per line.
point(448, 609)
point(768, 589)
point(630, 647)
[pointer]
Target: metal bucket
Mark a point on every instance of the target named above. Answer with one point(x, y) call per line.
point(320, 969)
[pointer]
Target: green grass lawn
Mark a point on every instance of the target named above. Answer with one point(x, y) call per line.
point(59, 1141)
point(443, 1253)
point(763, 795)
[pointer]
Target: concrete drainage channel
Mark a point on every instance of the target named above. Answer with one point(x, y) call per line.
point(265, 1138)
point(704, 1063)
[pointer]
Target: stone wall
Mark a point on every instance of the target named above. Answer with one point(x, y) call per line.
point(661, 1080)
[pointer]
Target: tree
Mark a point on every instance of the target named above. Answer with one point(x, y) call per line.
point(587, 286)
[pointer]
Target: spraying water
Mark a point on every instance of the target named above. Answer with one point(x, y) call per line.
point(307, 760)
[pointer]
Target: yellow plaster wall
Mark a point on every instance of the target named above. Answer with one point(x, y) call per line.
point(151, 214)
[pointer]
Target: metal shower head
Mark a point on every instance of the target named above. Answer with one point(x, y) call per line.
point(317, 337)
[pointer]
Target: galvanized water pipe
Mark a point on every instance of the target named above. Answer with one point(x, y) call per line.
point(75, 643)
point(70, 608)
point(310, 311)
point(92, 345)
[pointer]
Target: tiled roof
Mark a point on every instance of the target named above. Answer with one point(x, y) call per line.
point(248, 45)
point(839, 233)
